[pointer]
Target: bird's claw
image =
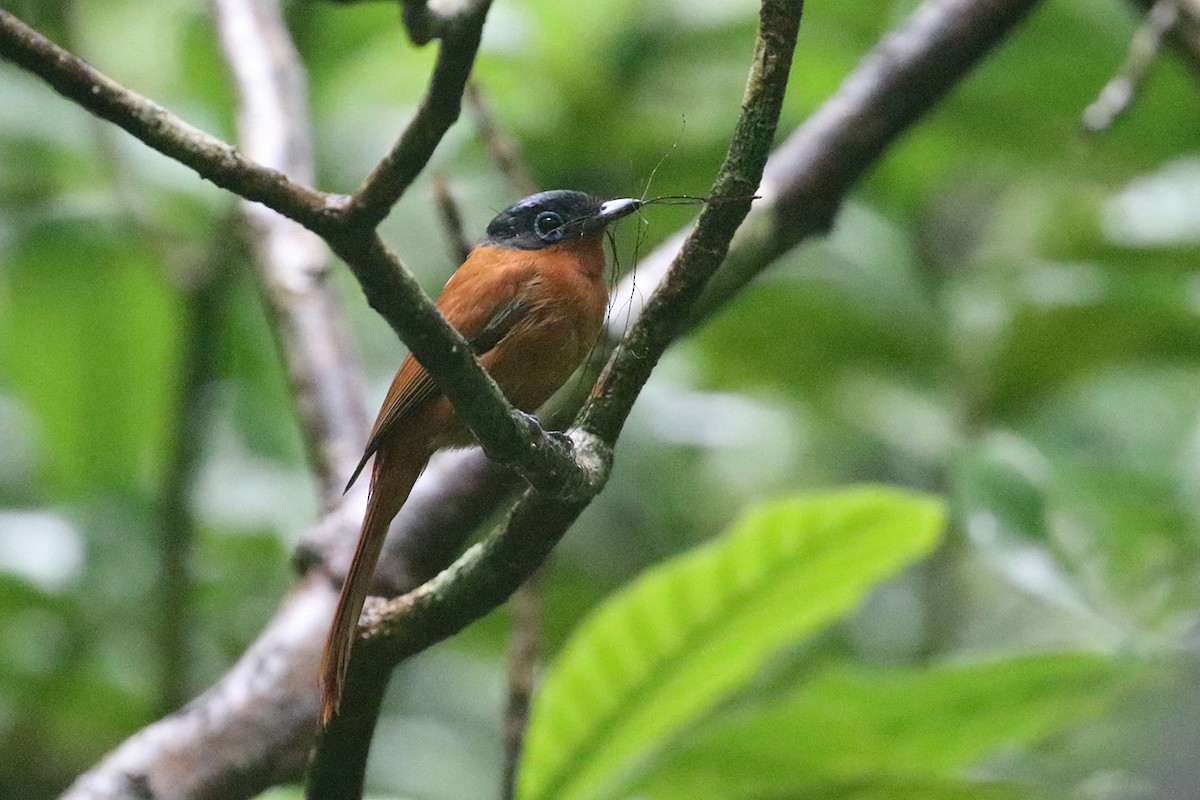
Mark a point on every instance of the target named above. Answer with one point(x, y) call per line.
point(562, 439)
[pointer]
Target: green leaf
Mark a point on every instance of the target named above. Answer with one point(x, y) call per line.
point(904, 789)
point(860, 727)
point(665, 650)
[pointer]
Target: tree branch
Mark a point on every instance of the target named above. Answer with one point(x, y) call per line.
point(1122, 89)
point(293, 263)
point(452, 221)
point(810, 174)
point(524, 653)
point(439, 110)
point(422, 23)
point(206, 292)
point(1184, 36)
point(670, 306)
point(158, 128)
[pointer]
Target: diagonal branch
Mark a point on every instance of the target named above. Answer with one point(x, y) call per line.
point(205, 294)
point(438, 111)
point(1185, 34)
point(809, 175)
point(503, 149)
point(212, 158)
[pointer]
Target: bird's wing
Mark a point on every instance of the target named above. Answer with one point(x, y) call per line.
point(483, 325)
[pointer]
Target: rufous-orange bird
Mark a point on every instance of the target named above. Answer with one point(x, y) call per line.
point(530, 299)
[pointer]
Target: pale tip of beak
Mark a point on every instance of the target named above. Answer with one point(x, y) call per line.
point(615, 209)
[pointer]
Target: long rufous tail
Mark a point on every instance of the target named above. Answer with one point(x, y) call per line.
point(392, 478)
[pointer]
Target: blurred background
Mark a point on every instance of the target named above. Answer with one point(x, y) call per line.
point(1007, 314)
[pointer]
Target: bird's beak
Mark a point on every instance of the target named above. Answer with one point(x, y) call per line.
point(611, 211)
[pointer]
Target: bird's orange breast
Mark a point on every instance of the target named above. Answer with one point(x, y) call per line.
point(564, 285)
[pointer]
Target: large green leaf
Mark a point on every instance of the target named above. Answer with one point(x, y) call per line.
point(662, 652)
point(905, 789)
point(859, 727)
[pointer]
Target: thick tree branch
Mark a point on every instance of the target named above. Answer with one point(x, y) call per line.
point(293, 263)
point(272, 681)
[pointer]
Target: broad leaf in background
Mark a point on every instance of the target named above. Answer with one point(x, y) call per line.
point(898, 789)
point(664, 651)
point(903, 728)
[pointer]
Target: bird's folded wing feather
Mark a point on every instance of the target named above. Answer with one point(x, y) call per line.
point(483, 325)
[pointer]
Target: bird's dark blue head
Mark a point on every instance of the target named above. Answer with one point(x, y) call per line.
point(549, 218)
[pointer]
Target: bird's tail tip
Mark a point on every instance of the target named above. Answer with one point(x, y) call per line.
point(334, 660)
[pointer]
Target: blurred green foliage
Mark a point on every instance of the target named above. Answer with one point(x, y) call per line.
point(1007, 315)
point(686, 635)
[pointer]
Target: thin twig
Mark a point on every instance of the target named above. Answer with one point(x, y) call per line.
point(439, 110)
point(452, 222)
point(1184, 37)
point(293, 263)
point(206, 298)
point(503, 149)
point(1122, 89)
point(524, 651)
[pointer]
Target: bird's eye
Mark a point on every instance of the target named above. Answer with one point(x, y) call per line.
point(549, 226)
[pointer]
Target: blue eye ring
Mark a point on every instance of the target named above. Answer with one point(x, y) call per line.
point(549, 226)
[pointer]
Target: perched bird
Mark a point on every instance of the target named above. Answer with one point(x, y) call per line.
point(530, 299)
